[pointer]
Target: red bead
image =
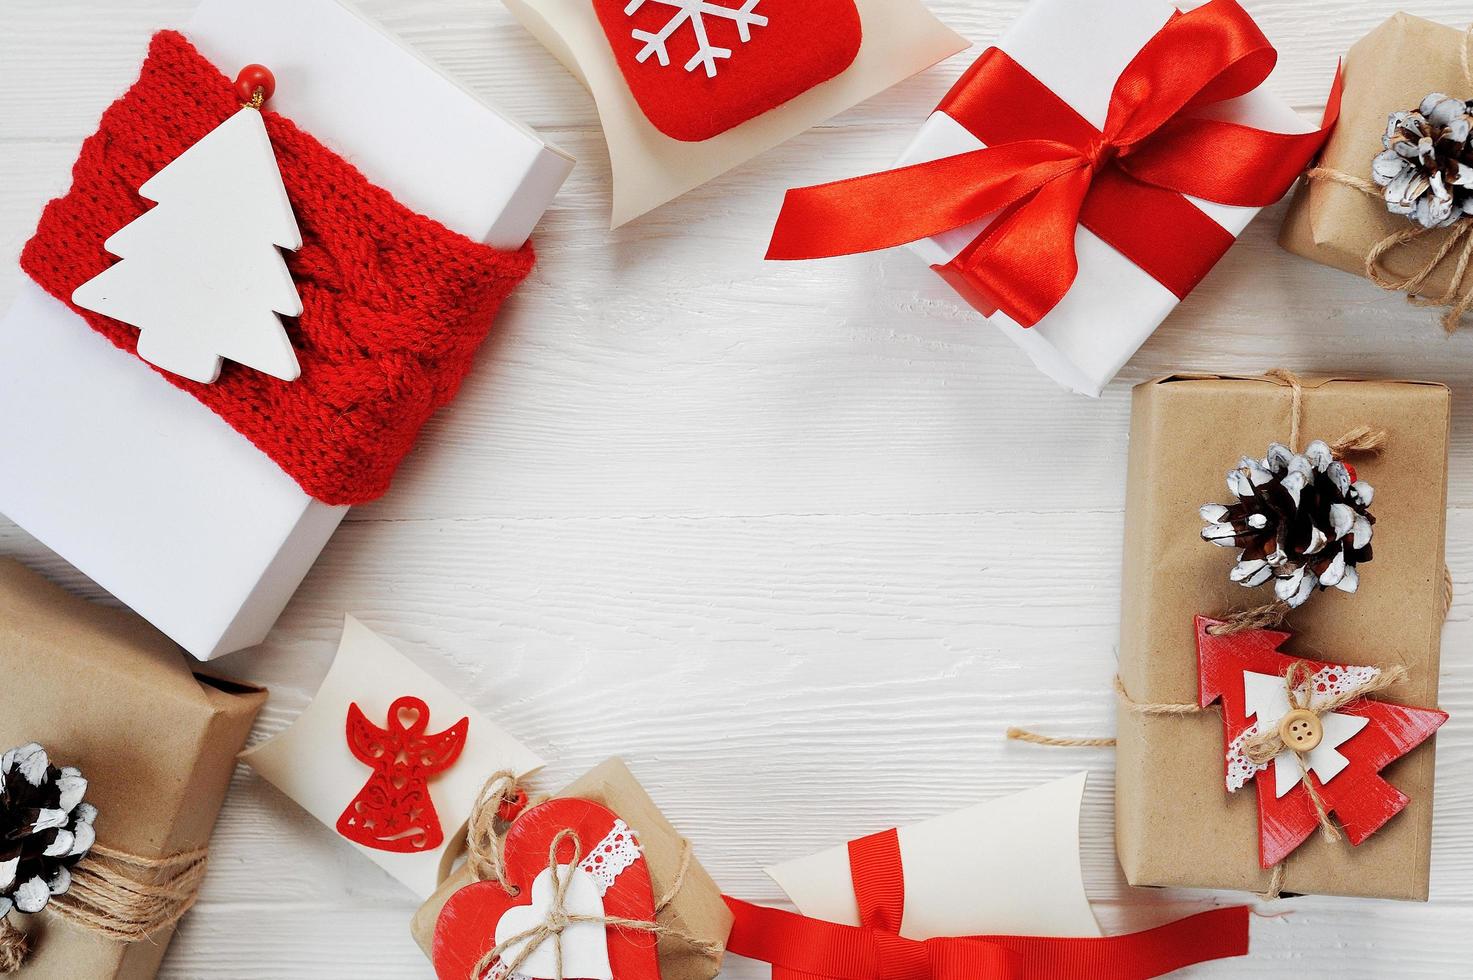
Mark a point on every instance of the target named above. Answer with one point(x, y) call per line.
point(253, 77)
point(512, 808)
point(1351, 470)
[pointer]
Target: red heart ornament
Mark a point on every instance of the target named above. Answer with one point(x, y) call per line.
point(700, 67)
point(466, 928)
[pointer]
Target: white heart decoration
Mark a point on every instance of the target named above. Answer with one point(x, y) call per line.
point(585, 944)
point(201, 274)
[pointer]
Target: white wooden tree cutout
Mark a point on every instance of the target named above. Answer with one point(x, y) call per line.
point(201, 275)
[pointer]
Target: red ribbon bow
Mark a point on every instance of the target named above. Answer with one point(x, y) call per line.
point(1045, 169)
point(800, 948)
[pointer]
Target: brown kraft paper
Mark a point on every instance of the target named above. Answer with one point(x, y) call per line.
point(104, 691)
point(1176, 824)
point(1391, 69)
point(697, 910)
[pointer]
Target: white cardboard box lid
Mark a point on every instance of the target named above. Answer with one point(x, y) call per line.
point(412, 130)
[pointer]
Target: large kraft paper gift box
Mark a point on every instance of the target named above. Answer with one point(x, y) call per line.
point(105, 692)
point(1391, 69)
point(697, 908)
point(1176, 825)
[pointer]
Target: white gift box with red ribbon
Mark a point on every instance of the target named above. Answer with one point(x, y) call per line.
point(1078, 48)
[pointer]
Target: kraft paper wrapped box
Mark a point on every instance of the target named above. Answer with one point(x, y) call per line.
point(140, 486)
point(697, 909)
point(1176, 825)
point(105, 692)
point(1391, 69)
point(1078, 49)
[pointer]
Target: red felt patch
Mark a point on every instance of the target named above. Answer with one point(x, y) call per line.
point(1361, 800)
point(700, 67)
point(466, 928)
point(393, 811)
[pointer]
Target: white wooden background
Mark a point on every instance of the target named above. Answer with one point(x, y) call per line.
point(800, 541)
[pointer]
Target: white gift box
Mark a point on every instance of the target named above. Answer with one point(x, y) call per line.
point(1078, 48)
point(133, 481)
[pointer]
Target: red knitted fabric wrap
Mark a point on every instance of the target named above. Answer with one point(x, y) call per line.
point(394, 303)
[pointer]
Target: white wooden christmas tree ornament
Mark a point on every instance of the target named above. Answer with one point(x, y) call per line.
point(201, 274)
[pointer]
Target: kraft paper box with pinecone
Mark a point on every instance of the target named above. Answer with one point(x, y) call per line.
point(1277, 694)
point(116, 761)
point(656, 912)
point(1392, 195)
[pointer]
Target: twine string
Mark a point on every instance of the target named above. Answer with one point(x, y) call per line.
point(120, 897)
point(1054, 741)
point(485, 846)
point(14, 947)
point(557, 919)
point(1458, 297)
point(1267, 745)
point(1275, 889)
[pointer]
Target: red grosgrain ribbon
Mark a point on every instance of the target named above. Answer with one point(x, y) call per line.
point(800, 948)
point(1124, 184)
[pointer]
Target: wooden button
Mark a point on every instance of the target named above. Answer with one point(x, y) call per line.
point(1301, 730)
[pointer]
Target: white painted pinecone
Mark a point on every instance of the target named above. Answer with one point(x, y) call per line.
point(1301, 521)
point(1427, 166)
point(45, 828)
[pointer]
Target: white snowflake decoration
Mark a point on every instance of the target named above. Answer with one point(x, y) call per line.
point(695, 12)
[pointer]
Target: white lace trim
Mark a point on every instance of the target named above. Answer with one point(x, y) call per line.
point(604, 864)
point(616, 852)
point(1327, 683)
point(1239, 770)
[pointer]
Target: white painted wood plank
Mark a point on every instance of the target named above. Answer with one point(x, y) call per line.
point(804, 525)
point(880, 659)
point(85, 58)
point(711, 382)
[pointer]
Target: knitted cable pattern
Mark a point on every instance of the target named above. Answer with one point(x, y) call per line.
point(395, 304)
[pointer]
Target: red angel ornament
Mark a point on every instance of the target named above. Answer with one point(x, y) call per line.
point(1329, 751)
point(393, 811)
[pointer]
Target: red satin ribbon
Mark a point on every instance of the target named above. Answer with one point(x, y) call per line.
point(1045, 170)
point(800, 948)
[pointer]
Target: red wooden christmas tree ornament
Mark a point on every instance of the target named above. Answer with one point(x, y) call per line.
point(393, 811)
point(1246, 671)
point(700, 67)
